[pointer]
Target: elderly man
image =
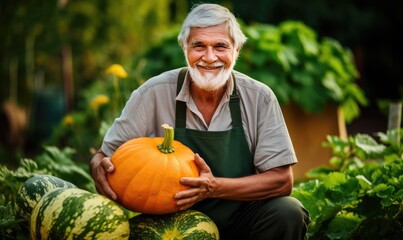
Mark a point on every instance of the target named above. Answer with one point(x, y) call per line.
point(234, 124)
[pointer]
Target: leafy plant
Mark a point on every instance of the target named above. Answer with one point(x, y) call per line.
point(53, 161)
point(287, 57)
point(12, 180)
point(59, 163)
point(9, 225)
point(300, 67)
point(360, 194)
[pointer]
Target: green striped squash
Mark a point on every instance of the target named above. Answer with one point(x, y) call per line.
point(32, 191)
point(74, 213)
point(187, 224)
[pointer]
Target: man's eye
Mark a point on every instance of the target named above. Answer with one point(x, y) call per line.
point(198, 47)
point(220, 48)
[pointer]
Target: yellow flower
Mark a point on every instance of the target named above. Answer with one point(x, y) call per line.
point(116, 70)
point(98, 101)
point(68, 120)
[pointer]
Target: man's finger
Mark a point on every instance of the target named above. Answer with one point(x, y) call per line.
point(105, 189)
point(107, 164)
point(201, 164)
point(109, 192)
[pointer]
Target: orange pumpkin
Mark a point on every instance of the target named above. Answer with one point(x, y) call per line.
point(147, 172)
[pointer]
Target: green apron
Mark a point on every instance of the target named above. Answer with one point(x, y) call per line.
point(226, 153)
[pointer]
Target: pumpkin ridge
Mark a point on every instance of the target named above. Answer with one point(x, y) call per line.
point(189, 168)
point(123, 176)
point(131, 175)
point(149, 203)
point(170, 186)
point(129, 198)
point(162, 183)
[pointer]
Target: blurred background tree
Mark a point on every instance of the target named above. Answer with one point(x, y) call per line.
point(41, 38)
point(52, 50)
point(55, 51)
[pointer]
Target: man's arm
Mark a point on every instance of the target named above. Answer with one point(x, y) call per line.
point(271, 183)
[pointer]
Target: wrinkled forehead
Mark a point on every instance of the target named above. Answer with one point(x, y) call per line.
point(219, 34)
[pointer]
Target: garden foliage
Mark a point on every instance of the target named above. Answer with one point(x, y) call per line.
point(53, 161)
point(289, 58)
point(360, 194)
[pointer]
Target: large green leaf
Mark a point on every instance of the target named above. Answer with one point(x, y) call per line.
point(343, 225)
point(368, 144)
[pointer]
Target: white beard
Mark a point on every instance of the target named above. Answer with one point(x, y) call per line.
point(210, 81)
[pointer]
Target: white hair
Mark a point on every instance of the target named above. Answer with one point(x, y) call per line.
point(208, 15)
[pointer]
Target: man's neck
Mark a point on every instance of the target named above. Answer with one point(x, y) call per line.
point(207, 101)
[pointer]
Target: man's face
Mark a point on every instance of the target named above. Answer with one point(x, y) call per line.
point(211, 56)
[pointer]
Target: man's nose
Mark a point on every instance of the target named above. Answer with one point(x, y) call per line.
point(210, 55)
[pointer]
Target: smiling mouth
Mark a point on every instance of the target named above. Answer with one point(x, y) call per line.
point(210, 67)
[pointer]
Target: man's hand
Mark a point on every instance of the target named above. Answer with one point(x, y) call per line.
point(274, 182)
point(100, 166)
point(201, 187)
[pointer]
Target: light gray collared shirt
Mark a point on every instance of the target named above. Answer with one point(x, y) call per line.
point(153, 104)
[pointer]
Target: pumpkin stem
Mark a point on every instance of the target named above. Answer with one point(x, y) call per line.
point(166, 145)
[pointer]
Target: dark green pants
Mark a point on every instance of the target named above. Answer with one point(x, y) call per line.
point(276, 218)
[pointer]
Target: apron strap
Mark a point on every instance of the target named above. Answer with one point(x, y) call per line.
point(235, 107)
point(180, 112)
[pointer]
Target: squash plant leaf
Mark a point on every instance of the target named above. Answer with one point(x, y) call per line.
point(6, 215)
point(343, 225)
point(350, 109)
point(319, 172)
point(60, 163)
point(329, 81)
point(382, 190)
point(334, 179)
point(364, 189)
point(368, 144)
point(258, 58)
point(8, 222)
point(364, 182)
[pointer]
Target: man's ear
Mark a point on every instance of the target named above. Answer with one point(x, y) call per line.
point(237, 51)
